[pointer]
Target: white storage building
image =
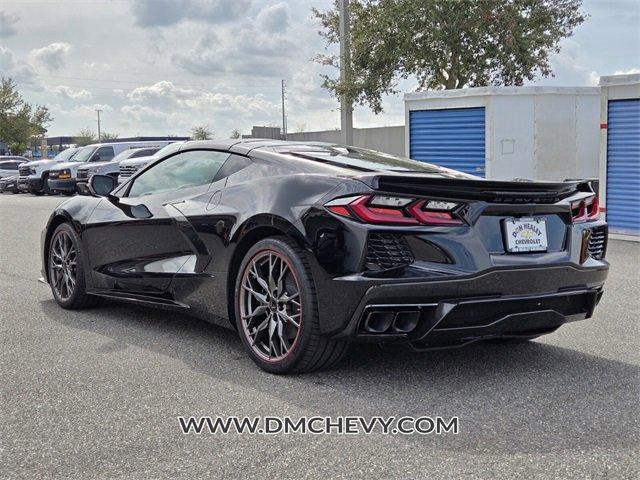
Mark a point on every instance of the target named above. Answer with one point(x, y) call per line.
point(538, 133)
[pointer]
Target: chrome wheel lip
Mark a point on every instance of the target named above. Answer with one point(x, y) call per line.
point(63, 257)
point(281, 311)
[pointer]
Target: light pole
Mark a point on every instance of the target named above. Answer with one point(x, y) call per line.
point(98, 112)
point(284, 115)
point(346, 107)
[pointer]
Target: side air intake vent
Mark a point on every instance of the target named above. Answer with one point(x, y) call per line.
point(598, 243)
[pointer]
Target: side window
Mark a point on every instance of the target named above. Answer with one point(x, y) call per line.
point(103, 154)
point(186, 169)
point(234, 164)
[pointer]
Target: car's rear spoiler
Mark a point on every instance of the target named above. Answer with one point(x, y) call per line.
point(476, 189)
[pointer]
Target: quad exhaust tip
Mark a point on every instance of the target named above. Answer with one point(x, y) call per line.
point(391, 322)
point(405, 322)
point(378, 322)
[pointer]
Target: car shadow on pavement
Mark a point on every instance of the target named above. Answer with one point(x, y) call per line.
point(519, 399)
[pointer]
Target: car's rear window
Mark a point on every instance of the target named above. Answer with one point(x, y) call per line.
point(144, 152)
point(363, 159)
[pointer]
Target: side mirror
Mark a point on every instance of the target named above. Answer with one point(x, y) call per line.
point(95, 157)
point(101, 185)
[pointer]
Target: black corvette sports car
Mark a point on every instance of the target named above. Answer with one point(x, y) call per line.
point(306, 247)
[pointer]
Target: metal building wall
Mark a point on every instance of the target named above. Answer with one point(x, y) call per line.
point(623, 166)
point(452, 138)
point(384, 139)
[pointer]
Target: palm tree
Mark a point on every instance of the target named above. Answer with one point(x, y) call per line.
point(201, 132)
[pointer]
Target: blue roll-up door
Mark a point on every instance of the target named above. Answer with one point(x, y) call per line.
point(623, 166)
point(453, 138)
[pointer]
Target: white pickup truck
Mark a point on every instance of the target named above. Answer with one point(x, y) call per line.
point(130, 166)
point(33, 176)
point(62, 178)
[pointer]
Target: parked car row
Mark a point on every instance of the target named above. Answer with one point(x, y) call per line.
point(69, 171)
point(9, 167)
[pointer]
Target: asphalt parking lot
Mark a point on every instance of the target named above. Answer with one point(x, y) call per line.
point(97, 393)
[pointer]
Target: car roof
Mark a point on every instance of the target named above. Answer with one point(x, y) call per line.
point(246, 145)
point(17, 158)
point(136, 144)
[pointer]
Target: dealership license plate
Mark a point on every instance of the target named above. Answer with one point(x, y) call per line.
point(526, 235)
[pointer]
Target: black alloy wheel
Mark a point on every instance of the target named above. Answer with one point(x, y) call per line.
point(66, 270)
point(276, 310)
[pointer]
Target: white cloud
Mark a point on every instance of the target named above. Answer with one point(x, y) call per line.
point(245, 50)
point(79, 116)
point(627, 72)
point(243, 106)
point(153, 99)
point(162, 13)
point(53, 56)
point(160, 92)
point(141, 113)
point(69, 93)
point(97, 66)
point(18, 70)
point(274, 18)
point(7, 24)
point(594, 79)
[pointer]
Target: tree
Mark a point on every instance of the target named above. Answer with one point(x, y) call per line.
point(85, 137)
point(446, 44)
point(201, 132)
point(236, 133)
point(105, 137)
point(20, 121)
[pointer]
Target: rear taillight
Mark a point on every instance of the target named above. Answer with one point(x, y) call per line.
point(388, 210)
point(425, 213)
point(586, 210)
point(370, 210)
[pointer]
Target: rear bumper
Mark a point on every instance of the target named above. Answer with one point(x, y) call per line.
point(499, 302)
point(23, 183)
point(68, 185)
point(453, 323)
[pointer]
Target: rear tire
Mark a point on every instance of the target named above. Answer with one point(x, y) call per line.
point(296, 348)
point(67, 271)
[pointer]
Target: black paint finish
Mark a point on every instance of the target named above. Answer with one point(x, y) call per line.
point(182, 248)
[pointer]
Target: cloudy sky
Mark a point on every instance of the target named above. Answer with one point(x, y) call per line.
point(159, 67)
